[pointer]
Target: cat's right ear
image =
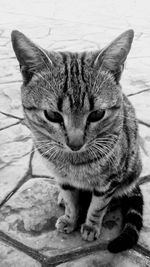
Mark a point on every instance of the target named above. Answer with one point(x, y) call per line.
point(114, 55)
point(30, 56)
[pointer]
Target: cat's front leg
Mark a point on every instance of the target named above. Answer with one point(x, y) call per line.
point(91, 229)
point(67, 223)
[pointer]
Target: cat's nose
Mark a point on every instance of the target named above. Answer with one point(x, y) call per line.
point(75, 140)
point(75, 147)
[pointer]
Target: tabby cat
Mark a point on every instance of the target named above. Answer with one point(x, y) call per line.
point(86, 130)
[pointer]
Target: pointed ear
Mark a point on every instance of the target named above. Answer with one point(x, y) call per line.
point(29, 55)
point(114, 55)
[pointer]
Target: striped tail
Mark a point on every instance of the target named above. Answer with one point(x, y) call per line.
point(132, 206)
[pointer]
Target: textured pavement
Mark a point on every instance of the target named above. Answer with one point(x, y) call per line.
point(28, 195)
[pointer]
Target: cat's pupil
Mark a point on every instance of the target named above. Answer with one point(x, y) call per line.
point(96, 115)
point(53, 116)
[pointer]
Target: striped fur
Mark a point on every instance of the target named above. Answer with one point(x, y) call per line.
point(132, 207)
point(86, 130)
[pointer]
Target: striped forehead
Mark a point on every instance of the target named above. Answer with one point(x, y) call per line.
point(68, 105)
point(75, 93)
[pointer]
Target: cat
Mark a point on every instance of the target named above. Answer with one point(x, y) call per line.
point(86, 129)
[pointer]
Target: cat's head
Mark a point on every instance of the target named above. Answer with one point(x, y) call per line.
point(72, 101)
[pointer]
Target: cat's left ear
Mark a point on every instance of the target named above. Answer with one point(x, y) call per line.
point(30, 56)
point(114, 55)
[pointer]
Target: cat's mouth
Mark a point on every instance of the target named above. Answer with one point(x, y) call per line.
point(80, 156)
point(63, 156)
point(75, 148)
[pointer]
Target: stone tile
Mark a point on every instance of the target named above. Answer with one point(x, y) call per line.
point(10, 257)
point(30, 216)
point(10, 99)
point(102, 258)
point(144, 132)
point(16, 146)
point(6, 121)
point(9, 69)
point(11, 174)
point(39, 167)
point(133, 83)
point(15, 142)
point(142, 106)
point(126, 259)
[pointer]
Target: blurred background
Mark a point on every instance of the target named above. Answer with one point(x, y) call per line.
point(78, 25)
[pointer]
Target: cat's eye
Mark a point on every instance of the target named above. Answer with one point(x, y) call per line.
point(53, 116)
point(96, 115)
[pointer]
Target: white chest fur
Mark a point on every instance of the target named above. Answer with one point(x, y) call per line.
point(87, 176)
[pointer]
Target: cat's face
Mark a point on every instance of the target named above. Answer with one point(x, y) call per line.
point(72, 101)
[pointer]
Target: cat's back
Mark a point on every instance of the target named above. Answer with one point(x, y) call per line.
point(129, 116)
point(131, 134)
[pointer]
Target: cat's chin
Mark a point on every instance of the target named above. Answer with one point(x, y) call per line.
point(79, 157)
point(73, 152)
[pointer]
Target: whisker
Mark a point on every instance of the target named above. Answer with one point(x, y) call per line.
point(104, 146)
point(105, 152)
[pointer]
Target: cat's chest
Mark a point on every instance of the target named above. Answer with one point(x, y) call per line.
point(85, 176)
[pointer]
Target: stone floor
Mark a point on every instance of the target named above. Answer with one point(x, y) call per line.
point(28, 195)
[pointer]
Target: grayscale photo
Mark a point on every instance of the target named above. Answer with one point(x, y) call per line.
point(74, 133)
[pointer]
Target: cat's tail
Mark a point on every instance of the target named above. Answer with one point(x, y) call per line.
point(132, 205)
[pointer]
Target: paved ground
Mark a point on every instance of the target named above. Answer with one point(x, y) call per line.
point(28, 196)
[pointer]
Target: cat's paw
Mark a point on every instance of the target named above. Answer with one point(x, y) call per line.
point(90, 233)
point(65, 225)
